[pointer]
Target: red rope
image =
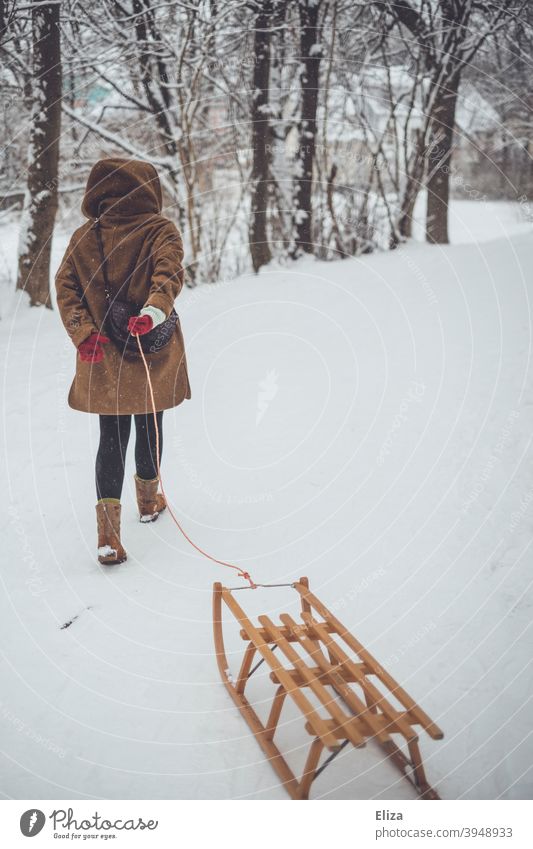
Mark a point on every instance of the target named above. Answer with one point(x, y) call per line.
point(241, 572)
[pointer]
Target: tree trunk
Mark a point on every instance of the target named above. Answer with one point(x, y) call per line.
point(415, 179)
point(260, 178)
point(405, 222)
point(311, 54)
point(40, 203)
point(439, 159)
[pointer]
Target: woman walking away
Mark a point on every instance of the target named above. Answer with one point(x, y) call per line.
point(116, 286)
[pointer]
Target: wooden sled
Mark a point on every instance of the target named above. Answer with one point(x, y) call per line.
point(353, 708)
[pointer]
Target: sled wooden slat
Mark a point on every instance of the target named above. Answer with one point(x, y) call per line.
point(416, 711)
point(331, 679)
point(286, 633)
point(322, 675)
point(296, 694)
point(318, 688)
point(373, 696)
point(366, 712)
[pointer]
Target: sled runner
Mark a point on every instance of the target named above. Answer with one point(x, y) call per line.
point(317, 661)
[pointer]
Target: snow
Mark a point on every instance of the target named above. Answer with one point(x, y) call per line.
point(466, 224)
point(402, 387)
point(151, 517)
point(474, 112)
point(106, 550)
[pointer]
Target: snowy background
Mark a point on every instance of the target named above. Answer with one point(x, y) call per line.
point(366, 423)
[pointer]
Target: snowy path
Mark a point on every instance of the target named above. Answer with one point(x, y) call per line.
point(367, 423)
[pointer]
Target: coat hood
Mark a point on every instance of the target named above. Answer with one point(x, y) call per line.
point(123, 187)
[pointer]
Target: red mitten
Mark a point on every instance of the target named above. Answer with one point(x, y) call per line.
point(138, 325)
point(91, 350)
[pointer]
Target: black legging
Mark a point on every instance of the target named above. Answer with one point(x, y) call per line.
point(114, 437)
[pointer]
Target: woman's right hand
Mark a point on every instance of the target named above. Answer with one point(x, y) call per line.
point(138, 325)
point(90, 350)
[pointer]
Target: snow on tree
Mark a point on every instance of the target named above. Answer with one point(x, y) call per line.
point(40, 201)
point(277, 129)
point(311, 55)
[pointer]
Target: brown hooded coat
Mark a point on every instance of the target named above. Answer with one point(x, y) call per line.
point(143, 253)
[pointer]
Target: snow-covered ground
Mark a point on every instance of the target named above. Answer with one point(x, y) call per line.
point(366, 423)
point(471, 221)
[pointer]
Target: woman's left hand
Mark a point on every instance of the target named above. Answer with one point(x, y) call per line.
point(138, 325)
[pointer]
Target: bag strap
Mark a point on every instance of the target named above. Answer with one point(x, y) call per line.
point(102, 257)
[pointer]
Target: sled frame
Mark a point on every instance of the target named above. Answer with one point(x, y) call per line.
point(353, 708)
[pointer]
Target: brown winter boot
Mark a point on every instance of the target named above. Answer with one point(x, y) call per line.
point(149, 501)
point(110, 550)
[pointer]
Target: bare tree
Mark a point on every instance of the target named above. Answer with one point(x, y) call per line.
point(286, 128)
point(310, 57)
point(449, 34)
point(15, 81)
point(261, 136)
point(175, 83)
point(40, 204)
